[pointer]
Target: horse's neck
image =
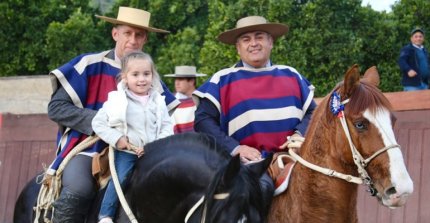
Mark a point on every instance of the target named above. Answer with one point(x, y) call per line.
point(318, 196)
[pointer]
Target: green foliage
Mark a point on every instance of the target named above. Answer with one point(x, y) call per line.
point(325, 38)
point(75, 36)
point(23, 27)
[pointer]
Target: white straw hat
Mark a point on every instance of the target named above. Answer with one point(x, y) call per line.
point(185, 71)
point(133, 17)
point(250, 24)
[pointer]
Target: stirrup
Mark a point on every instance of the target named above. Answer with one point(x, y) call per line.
point(282, 167)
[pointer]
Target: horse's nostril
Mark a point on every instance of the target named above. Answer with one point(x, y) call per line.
point(390, 191)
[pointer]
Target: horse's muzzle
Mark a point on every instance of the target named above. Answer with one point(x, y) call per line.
point(392, 199)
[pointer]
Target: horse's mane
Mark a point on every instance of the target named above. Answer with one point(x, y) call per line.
point(367, 96)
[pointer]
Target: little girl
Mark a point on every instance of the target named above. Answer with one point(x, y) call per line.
point(132, 116)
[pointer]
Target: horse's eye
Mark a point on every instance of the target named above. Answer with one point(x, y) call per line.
point(360, 125)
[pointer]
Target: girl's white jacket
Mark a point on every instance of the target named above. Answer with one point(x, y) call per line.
point(122, 114)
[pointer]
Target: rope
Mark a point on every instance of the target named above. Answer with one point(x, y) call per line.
point(118, 189)
point(51, 187)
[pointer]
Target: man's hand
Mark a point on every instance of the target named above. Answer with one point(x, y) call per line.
point(412, 73)
point(294, 142)
point(248, 154)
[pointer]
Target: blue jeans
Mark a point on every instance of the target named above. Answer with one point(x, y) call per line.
point(124, 163)
point(416, 88)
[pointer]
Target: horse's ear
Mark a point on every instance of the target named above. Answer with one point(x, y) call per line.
point(352, 78)
point(259, 168)
point(233, 168)
point(372, 76)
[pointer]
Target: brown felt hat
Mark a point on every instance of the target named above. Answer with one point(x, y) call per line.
point(134, 18)
point(250, 24)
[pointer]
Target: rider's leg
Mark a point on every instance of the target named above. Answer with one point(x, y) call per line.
point(267, 189)
point(77, 193)
point(124, 163)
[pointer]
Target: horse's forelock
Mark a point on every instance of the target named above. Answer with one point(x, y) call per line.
point(366, 96)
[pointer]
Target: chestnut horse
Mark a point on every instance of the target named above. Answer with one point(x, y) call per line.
point(360, 147)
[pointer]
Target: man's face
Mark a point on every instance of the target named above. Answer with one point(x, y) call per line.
point(184, 85)
point(128, 39)
point(417, 38)
point(254, 48)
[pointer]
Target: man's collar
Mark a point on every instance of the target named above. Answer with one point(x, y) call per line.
point(243, 64)
point(419, 47)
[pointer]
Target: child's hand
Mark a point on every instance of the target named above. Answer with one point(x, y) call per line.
point(139, 152)
point(122, 143)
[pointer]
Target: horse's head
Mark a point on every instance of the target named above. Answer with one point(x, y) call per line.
point(367, 134)
point(235, 194)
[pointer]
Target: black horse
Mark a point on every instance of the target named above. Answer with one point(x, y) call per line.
point(172, 176)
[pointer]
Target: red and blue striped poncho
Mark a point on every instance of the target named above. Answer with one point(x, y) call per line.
point(184, 116)
point(259, 107)
point(88, 79)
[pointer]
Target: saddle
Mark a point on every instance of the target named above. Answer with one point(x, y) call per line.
point(280, 171)
point(100, 168)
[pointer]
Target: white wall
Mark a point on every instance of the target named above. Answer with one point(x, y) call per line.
point(25, 94)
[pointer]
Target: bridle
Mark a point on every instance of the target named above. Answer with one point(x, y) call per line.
point(337, 108)
point(202, 200)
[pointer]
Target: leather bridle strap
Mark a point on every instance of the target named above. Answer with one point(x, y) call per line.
point(326, 171)
point(219, 196)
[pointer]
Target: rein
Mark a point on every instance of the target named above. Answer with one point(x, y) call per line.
point(220, 196)
point(117, 185)
point(337, 108)
point(51, 184)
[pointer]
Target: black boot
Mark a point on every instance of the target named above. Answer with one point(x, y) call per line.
point(70, 208)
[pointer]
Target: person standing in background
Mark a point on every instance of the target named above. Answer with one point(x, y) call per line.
point(414, 63)
point(185, 85)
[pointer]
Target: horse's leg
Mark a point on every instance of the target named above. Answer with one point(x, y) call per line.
point(27, 199)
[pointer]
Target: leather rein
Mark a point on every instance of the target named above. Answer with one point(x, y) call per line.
point(202, 200)
point(337, 107)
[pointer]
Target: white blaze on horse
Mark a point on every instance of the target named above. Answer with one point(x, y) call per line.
point(350, 141)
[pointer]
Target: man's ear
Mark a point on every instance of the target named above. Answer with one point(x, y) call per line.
point(237, 48)
point(115, 33)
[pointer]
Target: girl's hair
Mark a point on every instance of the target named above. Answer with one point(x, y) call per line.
point(156, 85)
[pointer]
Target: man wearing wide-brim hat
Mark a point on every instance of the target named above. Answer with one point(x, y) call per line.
point(185, 85)
point(253, 106)
point(80, 88)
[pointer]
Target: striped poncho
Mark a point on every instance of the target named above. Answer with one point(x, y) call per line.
point(258, 107)
point(184, 116)
point(88, 79)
